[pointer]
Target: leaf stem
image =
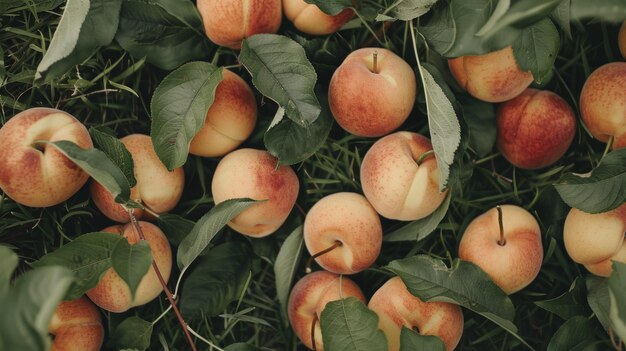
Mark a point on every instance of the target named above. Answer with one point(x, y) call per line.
point(325, 251)
point(213, 346)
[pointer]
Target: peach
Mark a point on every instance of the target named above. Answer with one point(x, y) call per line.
point(227, 23)
point(492, 77)
point(350, 225)
point(595, 240)
point(229, 121)
point(76, 326)
point(397, 307)
point(309, 19)
point(372, 92)
point(603, 103)
point(512, 258)
point(308, 299)
point(157, 188)
point(112, 293)
point(40, 175)
point(535, 129)
point(255, 174)
point(393, 181)
point(622, 40)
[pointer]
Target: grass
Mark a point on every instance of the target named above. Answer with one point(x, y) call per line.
point(113, 89)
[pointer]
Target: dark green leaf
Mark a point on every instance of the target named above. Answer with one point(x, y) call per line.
point(207, 227)
point(602, 191)
point(98, 165)
point(574, 335)
point(167, 33)
point(604, 10)
point(85, 26)
point(348, 324)
point(28, 306)
point(536, 48)
point(523, 13)
point(331, 7)
point(569, 304)
point(175, 227)
point(598, 299)
point(88, 257)
point(286, 265)
point(9, 6)
point(480, 118)
point(179, 106)
point(561, 15)
point(132, 333)
point(8, 263)
point(617, 296)
point(216, 281)
point(412, 341)
point(116, 151)
point(407, 10)
point(281, 71)
point(420, 229)
point(131, 262)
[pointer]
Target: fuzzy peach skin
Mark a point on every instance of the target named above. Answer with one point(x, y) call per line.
point(347, 219)
point(515, 264)
point(603, 103)
point(229, 121)
point(397, 307)
point(595, 240)
point(492, 77)
point(227, 23)
point(309, 19)
point(395, 184)
point(76, 326)
point(535, 129)
point(622, 40)
point(372, 103)
point(112, 293)
point(250, 173)
point(308, 299)
point(40, 176)
point(157, 188)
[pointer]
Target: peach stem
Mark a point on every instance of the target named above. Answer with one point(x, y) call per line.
point(375, 64)
point(313, 323)
point(424, 156)
point(501, 242)
point(326, 250)
point(164, 285)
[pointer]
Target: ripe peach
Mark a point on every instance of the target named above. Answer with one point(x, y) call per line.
point(229, 121)
point(492, 77)
point(249, 173)
point(347, 222)
point(395, 184)
point(227, 23)
point(76, 326)
point(595, 240)
point(112, 293)
point(308, 299)
point(512, 258)
point(603, 103)
point(157, 188)
point(372, 92)
point(622, 40)
point(40, 175)
point(309, 19)
point(535, 129)
point(397, 307)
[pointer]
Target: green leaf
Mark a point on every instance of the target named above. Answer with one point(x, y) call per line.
point(574, 335)
point(9, 6)
point(617, 296)
point(116, 151)
point(8, 263)
point(28, 306)
point(84, 26)
point(281, 71)
point(87, 256)
point(536, 48)
point(99, 166)
point(167, 33)
point(348, 324)
point(601, 191)
point(132, 333)
point(522, 13)
point(331, 7)
point(420, 229)
point(602, 10)
point(445, 130)
point(480, 118)
point(569, 304)
point(131, 262)
point(207, 227)
point(598, 299)
point(292, 143)
point(412, 341)
point(561, 15)
point(216, 281)
point(175, 227)
point(286, 265)
point(179, 106)
point(407, 10)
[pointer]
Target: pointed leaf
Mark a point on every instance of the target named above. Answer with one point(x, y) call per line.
point(575, 334)
point(116, 151)
point(8, 263)
point(536, 48)
point(561, 15)
point(598, 299)
point(331, 7)
point(568, 305)
point(522, 13)
point(412, 341)
point(286, 264)
point(133, 333)
point(175, 227)
point(131, 262)
point(407, 10)
point(420, 229)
